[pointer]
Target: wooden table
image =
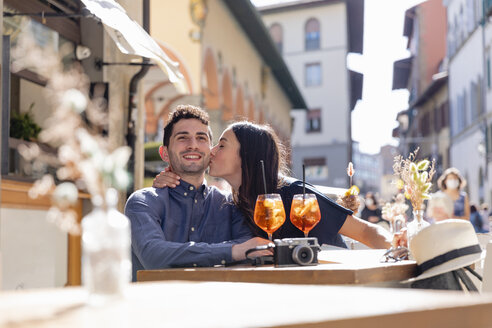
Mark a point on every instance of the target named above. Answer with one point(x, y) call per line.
point(231, 305)
point(338, 267)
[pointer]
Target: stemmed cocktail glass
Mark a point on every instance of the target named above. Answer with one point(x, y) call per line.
point(269, 213)
point(304, 212)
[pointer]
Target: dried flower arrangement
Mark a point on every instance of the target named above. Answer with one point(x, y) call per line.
point(395, 210)
point(350, 199)
point(84, 159)
point(416, 177)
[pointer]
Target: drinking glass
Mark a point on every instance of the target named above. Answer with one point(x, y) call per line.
point(304, 213)
point(269, 213)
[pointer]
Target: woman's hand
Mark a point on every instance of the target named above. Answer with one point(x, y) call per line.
point(166, 179)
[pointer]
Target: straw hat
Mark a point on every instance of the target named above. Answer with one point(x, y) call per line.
point(444, 246)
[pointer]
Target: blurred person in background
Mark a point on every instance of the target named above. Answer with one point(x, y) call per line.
point(485, 213)
point(371, 211)
point(439, 207)
point(452, 182)
point(476, 219)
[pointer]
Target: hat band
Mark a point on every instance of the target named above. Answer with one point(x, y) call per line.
point(451, 255)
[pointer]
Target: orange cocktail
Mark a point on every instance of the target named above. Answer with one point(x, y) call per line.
point(269, 213)
point(304, 212)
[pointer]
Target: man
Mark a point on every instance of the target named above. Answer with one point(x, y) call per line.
point(193, 224)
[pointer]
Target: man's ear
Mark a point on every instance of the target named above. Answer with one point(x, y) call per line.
point(163, 153)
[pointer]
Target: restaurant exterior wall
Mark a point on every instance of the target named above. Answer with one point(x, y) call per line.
point(171, 25)
point(331, 143)
point(241, 60)
point(34, 252)
point(244, 88)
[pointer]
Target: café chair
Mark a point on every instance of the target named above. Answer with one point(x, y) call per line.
point(487, 270)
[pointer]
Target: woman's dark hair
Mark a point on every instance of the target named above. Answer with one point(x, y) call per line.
point(258, 142)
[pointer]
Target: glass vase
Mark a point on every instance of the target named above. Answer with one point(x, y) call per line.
point(106, 251)
point(418, 223)
point(397, 224)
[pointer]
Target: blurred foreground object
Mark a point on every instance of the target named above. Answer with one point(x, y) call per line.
point(84, 160)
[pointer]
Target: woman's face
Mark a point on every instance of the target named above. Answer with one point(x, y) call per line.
point(225, 161)
point(452, 181)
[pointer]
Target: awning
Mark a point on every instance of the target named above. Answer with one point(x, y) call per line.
point(132, 39)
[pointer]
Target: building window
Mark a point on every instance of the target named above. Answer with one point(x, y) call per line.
point(437, 119)
point(425, 125)
point(445, 114)
point(313, 74)
point(312, 34)
point(488, 72)
point(277, 35)
point(316, 168)
point(313, 120)
point(489, 139)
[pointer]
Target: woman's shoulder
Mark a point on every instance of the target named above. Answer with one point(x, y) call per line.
point(294, 186)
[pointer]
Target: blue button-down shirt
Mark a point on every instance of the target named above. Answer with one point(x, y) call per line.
point(183, 227)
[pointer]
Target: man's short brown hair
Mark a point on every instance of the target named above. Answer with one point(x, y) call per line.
point(184, 112)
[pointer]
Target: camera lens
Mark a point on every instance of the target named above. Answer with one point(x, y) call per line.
point(302, 255)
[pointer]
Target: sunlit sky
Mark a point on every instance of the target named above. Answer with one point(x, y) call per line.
point(374, 117)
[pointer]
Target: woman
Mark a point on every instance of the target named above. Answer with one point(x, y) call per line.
point(371, 211)
point(451, 182)
point(236, 158)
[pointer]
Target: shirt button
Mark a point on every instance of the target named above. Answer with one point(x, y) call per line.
point(196, 201)
point(191, 188)
point(204, 193)
point(223, 262)
point(192, 228)
point(194, 264)
point(186, 194)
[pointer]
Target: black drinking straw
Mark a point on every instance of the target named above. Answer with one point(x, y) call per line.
point(264, 178)
point(303, 181)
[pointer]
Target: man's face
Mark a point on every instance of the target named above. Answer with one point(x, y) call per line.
point(188, 152)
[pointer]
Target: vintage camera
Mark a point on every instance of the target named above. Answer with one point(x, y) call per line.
point(296, 251)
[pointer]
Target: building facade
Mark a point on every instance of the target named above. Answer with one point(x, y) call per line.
point(425, 124)
point(468, 53)
point(314, 38)
point(367, 171)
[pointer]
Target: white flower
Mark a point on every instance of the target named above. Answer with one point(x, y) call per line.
point(88, 144)
point(121, 179)
point(120, 156)
point(65, 194)
point(67, 154)
point(74, 99)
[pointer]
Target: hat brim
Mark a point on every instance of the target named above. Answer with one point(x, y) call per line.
point(452, 265)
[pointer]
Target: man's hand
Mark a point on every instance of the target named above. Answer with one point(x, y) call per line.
point(239, 250)
point(166, 179)
point(400, 238)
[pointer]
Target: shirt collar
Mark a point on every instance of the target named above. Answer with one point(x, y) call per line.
point(186, 189)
